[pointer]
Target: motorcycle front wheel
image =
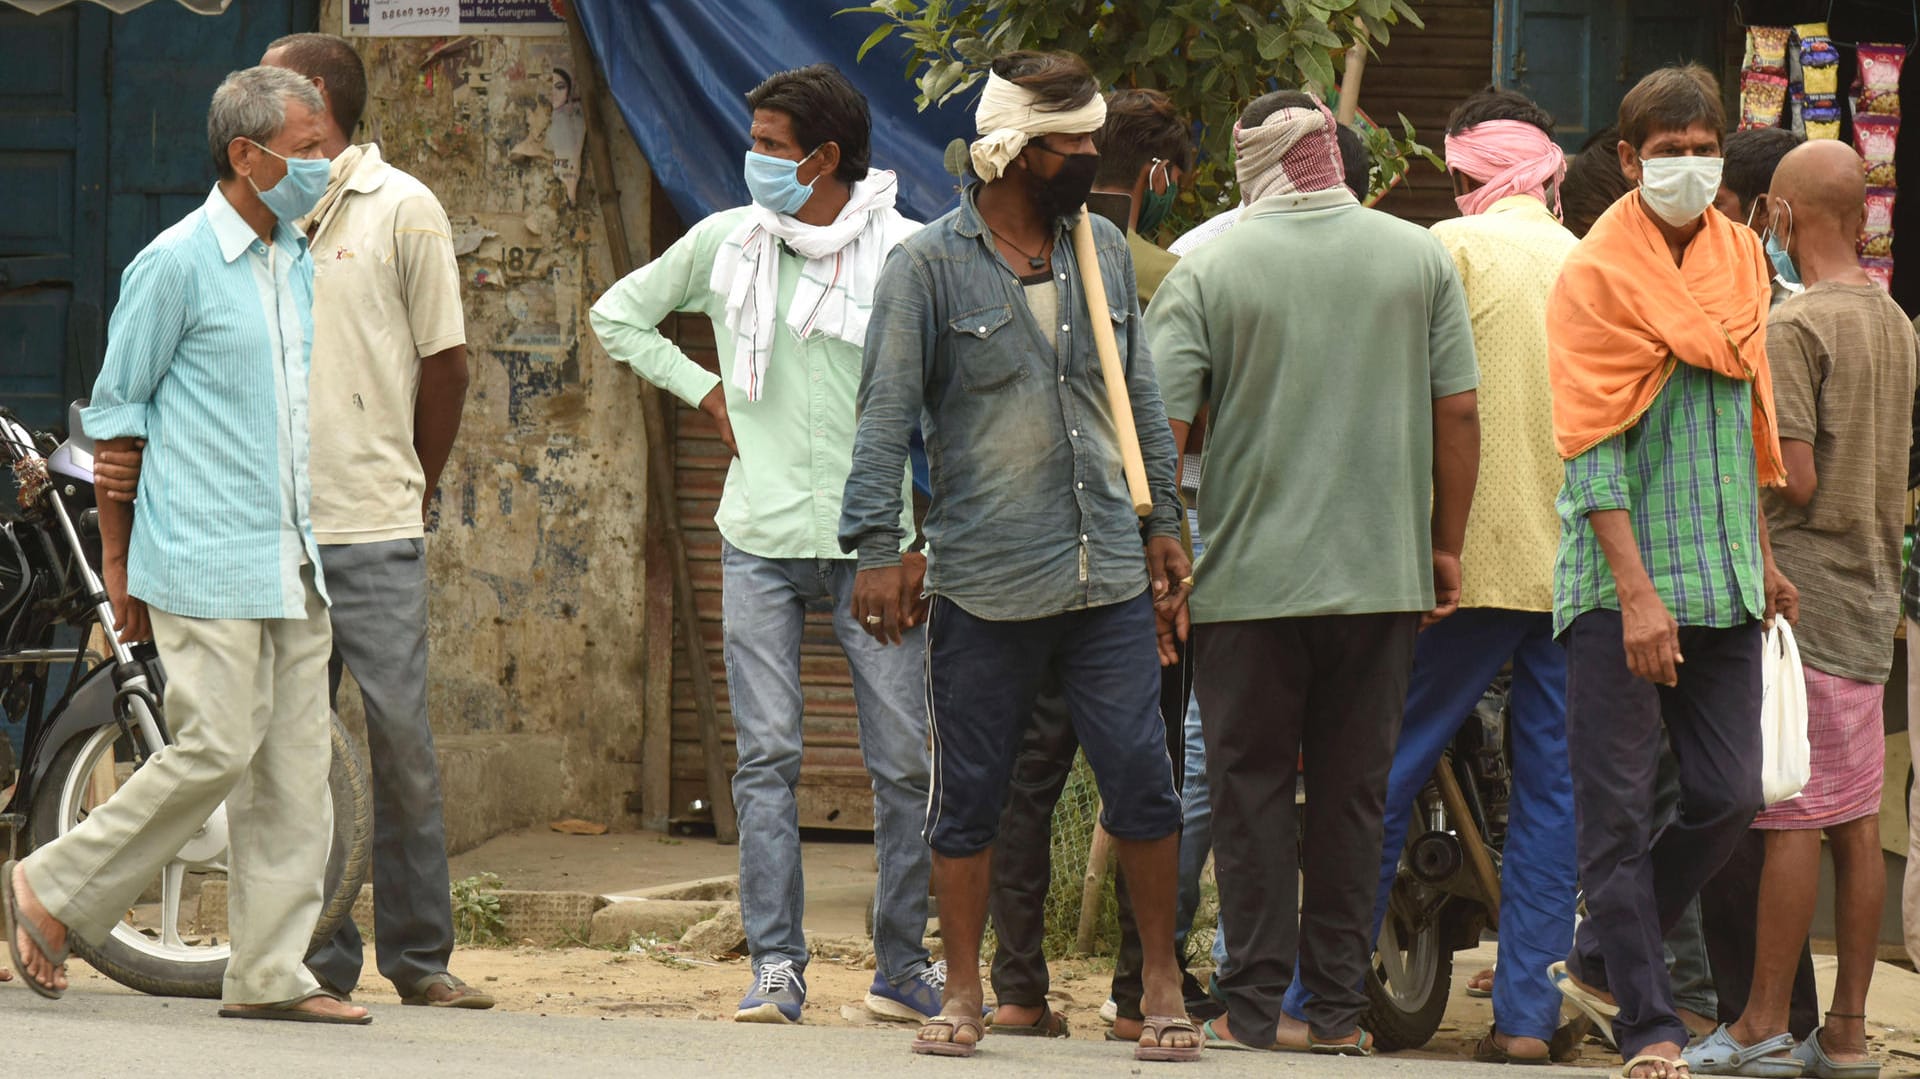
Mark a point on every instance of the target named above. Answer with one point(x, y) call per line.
point(161, 946)
point(1408, 980)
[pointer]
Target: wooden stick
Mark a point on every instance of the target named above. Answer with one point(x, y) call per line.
point(1099, 854)
point(1118, 402)
point(1350, 88)
point(726, 824)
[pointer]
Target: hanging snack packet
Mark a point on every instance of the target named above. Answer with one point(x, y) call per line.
point(1767, 49)
point(1875, 137)
point(1762, 98)
point(1880, 270)
point(1879, 78)
point(1880, 210)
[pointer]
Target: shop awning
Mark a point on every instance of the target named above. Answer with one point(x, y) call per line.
point(198, 7)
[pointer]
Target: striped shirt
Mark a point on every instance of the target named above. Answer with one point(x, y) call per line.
point(207, 359)
point(1685, 473)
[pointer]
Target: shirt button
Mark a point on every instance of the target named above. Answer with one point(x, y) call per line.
point(1716, 410)
point(1064, 327)
point(1063, 277)
point(1079, 486)
point(1726, 479)
point(1083, 537)
point(1063, 378)
point(982, 329)
point(1075, 433)
point(1735, 546)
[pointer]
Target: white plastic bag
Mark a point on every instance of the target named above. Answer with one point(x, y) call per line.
point(1785, 760)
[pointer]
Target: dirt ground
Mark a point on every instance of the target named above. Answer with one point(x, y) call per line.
point(612, 984)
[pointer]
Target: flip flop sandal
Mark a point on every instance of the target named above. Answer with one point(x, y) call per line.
point(1477, 992)
point(290, 1012)
point(1719, 1054)
point(951, 1046)
point(1598, 1011)
point(15, 924)
point(1361, 1048)
point(464, 995)
point(1050, 1025)
point(1157, 1027)
point(1490, 1052)
point(1819, 1064)
point(1676, 1069)
point(1572, 1033)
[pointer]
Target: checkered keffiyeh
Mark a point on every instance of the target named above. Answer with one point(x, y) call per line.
point(1291, 152)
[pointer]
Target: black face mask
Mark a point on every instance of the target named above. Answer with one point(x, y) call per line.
point(1065, 191)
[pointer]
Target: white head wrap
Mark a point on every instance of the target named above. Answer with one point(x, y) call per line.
point(1006, 119)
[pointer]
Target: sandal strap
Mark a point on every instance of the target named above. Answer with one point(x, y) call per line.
point(1846, 1015)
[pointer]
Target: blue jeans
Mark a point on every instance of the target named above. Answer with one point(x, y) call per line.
point(1196, 810)
point(764, 602)
point(1454, 662)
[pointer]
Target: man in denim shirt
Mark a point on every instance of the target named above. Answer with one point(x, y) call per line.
point(1036, 565)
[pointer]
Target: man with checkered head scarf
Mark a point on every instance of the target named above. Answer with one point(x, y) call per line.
point(1332, 347)
point(1040, 569)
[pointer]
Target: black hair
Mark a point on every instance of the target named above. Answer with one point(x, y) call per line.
point(1671, 99)
point(1355, 159)
point(1061, 80)
point(1494, 103)
point(1751, 157)
point(1593, 182)
point(824, 107)
point(1141, 125)
point(563, 73)
point(334, 62)
point(1267, 104)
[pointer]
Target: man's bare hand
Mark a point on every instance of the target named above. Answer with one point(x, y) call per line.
point(715, 404)
point(913, 586)
point(1169, 569)
point(1446, 587)
point(877, 605)
point(130, 620)
point(1651, 638)
point(116, 473)
point(1783, 598)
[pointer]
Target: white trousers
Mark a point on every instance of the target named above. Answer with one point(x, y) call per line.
point(246, 702)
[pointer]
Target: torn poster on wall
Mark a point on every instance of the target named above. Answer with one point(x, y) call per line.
point(565, 136)
point(475, 17)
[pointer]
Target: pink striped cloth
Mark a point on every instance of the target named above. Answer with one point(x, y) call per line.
point(1849, 751)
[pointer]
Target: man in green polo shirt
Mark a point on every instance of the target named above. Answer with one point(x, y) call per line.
point(1332, 347)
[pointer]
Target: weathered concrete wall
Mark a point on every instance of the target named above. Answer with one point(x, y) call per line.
point(536, 551)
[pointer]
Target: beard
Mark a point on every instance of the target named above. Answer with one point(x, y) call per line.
point(1063, 193)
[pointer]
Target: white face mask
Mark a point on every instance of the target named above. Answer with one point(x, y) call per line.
point(1679, 189)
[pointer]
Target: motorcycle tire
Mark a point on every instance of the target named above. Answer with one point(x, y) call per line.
point(348, 865)
point(1407, 1016)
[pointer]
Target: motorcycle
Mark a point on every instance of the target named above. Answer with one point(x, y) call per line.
point(107, 719)
point(1447, 890)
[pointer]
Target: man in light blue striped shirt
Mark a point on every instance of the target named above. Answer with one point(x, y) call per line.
point(207, 361)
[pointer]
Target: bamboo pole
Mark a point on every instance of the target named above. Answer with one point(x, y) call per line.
point(1099, 855)
point(660, 486)
point(1350, 87)
point(1118, 402)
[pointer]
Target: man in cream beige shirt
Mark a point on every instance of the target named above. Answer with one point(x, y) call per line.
point(388, 383)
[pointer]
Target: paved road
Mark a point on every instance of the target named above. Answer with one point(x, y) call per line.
point(92, 1034)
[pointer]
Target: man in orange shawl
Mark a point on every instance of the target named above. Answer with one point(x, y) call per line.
point(1663, 410)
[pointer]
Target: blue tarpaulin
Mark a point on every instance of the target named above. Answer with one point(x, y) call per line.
point(680, 73)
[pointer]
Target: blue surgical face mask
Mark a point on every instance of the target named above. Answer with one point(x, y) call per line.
point(1783, 266)
point(774, 183)
point(299, 191)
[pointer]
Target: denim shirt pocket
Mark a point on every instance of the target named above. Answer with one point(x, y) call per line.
point(981, 351)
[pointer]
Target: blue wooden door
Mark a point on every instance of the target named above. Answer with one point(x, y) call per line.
point(52, 218)
point(103, 143)
point(1578, 58)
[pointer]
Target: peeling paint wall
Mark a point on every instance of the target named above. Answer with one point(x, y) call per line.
point(536, 553)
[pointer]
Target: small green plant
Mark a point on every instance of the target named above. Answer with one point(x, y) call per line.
point(476, 910)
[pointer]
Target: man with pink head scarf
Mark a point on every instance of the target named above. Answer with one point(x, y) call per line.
point(1508, 249)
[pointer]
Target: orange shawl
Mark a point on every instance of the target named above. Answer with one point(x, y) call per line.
point(1621, 308)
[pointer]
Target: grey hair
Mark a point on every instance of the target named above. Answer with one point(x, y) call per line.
point(252, 104)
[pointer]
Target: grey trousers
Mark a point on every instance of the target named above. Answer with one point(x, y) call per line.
point(379, 593)
point(246, 704)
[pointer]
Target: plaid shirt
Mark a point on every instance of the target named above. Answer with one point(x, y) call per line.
point(1685, 473)
point(1910, 585)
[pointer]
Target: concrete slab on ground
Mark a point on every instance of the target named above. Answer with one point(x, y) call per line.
point(839, 873)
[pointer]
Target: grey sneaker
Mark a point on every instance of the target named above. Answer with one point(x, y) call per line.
point(778, 994)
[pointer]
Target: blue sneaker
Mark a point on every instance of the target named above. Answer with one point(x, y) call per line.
point(914, 1002)
point(778, 994)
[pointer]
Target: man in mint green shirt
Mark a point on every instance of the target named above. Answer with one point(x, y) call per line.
point(788, 284)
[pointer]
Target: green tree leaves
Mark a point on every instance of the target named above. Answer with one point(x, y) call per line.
point(1212, 57)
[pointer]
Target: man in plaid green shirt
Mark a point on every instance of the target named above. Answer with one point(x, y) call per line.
point(1663, 412)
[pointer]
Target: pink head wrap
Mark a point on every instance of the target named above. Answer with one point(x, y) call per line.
point(1508, 157)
